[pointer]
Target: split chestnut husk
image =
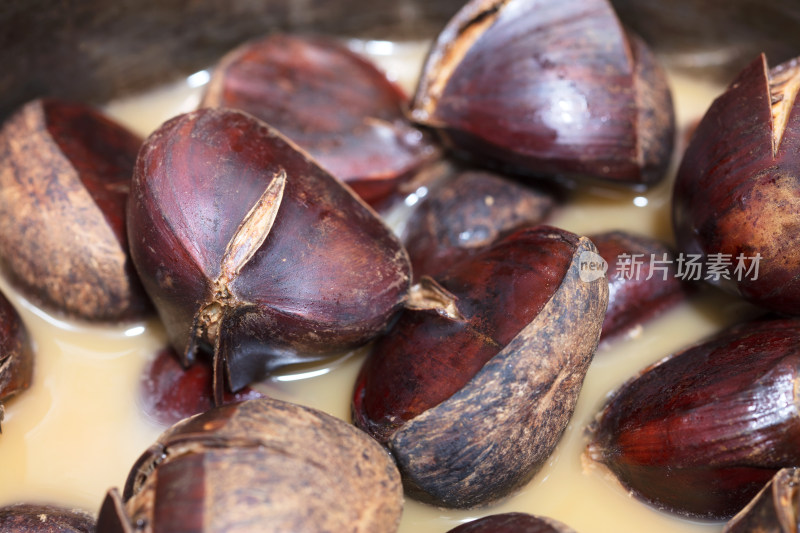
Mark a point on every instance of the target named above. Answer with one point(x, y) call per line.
point(513, 523)
point(37, 518)
point(643, 280)
point(548, 87)
point(260, 465)
point(467, 214)
point(473, 387)
point(736, 194)
point(16, 354)
point(251, 251)
point(330, 101)
point(169, 393)
point(701, 432)
point(65, 172)
point(776, 509)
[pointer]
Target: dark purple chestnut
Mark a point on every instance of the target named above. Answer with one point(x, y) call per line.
point(466, 214)
point(737, 194)
point(16, 354)
point(260, 465)
point(513, 523)
point(38, 518)
point(65, 172)
point(701, 432)
point(776, 509)
point(473, 387)
point(643, 280)
point(548, 87)
point(330, 101)
point(169, 393)
point(252, 252)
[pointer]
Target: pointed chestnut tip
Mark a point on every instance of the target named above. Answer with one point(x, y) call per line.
point(112, 517)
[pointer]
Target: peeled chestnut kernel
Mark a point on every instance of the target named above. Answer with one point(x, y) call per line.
point(548, 87)
point(513, 523)
point(16, 354)
point(169, 393)
point(776, 509)
point(251, 251)
point(65, 173)
point(735, 201)
point(467, 214)
point(643, 280)
point(701, 432)
point(473, 386)
point(330, 101)
point(259, 465)
point(36, 518)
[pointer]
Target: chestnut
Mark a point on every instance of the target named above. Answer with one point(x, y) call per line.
point(776, 509)
point(466, 214)
point(513, 523)
point(16, 354)
point(39, 518)
point(258, 465)
point(701, 432)
point(548, 88)
point(473, 386)
point(252, 252)
point(643, 280)
point(332, 102)
point(736, 200)
point(65, 173)
point(169, 393)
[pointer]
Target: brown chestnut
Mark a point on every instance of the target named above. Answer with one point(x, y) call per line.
point(38, 518)
point(65, 173)
point(546, 87)
point(776, 509)
point(251, 251)
point(466, 214)
point(330, 101)
point(513, 523)
point(16, 354)
point(259, 465)
point(643, 280)
point(473, 386)
point(701, 432)
point(736, 200)
point(169, 393)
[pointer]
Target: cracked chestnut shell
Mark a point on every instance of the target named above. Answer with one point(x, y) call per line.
point(38, 518)
point(259, 465)
point(467, 214)
point(642, 280)
point(16, 354)
point(513, 523)
point(736, 192)
point(701, 432)
point(65, 173)
point(776, 509)
point(542, 87)
point(330, 101)
point(252, 252)
point(473, 386)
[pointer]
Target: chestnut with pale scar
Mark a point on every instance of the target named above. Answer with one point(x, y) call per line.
point(253, 253)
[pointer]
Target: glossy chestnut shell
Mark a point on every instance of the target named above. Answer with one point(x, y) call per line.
point(474, 385)
point(16, 354)
point(701, 432)
point(548, 88)
point(736, 196)
point(330, 101)
point(252, 252)
point(512, 523)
